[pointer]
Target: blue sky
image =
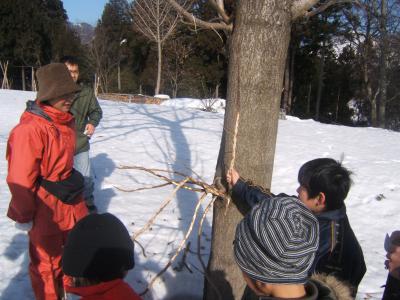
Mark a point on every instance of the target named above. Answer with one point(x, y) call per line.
point(88, 11)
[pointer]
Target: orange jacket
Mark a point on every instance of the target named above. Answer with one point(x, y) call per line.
point(40, 147)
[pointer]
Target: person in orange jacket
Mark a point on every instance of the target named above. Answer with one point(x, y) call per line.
point(46, 193)
point(97, 256)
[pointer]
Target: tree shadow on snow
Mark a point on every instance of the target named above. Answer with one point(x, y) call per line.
point(20, 286)
point(179, 158)
point(102, 167)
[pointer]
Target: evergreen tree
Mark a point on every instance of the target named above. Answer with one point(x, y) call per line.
point(34, 33)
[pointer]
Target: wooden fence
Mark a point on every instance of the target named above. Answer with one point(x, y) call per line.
point(130, 98)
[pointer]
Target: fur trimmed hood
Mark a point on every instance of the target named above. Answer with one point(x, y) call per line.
point(330, 288)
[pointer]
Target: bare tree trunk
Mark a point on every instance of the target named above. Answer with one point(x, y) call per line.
point(4, 69)
point(365, 46)
point(174, 84)
point(34, 88)
point(256, 70)
point(308, 109)
point(320, 82)
point(286, 84)
point(374, 111)
point(23, 78)
point(291, 72)
point(383, 65)
point(159, 53)
point(288, 80)
point(337, 105)
point(119, 77)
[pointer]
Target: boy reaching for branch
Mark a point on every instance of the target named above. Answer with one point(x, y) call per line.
point(324, 184)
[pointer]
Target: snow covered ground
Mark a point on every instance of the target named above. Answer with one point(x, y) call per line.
point(176, 137)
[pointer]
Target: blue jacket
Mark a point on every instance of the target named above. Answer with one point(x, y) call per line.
point(339, 252)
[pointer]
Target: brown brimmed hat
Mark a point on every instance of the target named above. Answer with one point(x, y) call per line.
point(54, 81)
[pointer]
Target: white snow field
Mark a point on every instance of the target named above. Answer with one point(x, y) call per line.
point(182, 138)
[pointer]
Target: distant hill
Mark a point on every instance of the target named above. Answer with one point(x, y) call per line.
point(85, 31)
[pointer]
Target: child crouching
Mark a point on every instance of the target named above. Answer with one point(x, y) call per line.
point(97, 256)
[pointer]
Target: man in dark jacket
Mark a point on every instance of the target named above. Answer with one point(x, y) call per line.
point(87, 113)
point(324, 185)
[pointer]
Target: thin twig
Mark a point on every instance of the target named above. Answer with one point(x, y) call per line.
point(153, 172)
point(205, 188)
point(180, 246)
point(142, 188)
point(140, 245)
point(166, 202)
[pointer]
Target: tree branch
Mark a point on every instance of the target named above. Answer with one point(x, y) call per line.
point(166, 202)
point(301, 8)
point(220, 10)
point(325, 6)
point(197, 22)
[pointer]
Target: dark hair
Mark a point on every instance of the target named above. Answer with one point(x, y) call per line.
point(71, 60)
point(328, 176)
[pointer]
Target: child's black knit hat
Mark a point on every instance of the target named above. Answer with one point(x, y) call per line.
point(98, 247)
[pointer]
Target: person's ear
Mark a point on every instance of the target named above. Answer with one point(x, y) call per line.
point(321, 200)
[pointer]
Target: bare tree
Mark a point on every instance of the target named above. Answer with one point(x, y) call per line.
point(4, 69)
point(383, 63)
point(373, 23)
point(156, 20)
point(101, 50)
point(259, 34)
point(179, 52)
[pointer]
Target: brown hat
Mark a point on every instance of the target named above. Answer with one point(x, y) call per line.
point(54, 81)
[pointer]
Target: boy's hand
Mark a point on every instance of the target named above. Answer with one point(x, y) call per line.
point(232, 176)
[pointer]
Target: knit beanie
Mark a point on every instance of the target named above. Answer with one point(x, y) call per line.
point(54, 81)
point(277, 241)
point(98, 247)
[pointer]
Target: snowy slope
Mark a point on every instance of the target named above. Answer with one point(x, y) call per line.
point(187, 140)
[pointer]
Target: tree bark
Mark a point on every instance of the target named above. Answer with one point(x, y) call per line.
point(258, 50)
point(308, 109)
point(159, 53)
point(23, 78)
point(320, 82)
point(286, 83)
point(291, 73)
point(383, 66)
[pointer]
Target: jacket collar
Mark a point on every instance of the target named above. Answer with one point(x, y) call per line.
point(333, 215)
point(92, 290)
point(48, 112)
point(311, 293)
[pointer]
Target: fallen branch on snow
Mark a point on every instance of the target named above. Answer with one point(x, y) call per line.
point(188, 183)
